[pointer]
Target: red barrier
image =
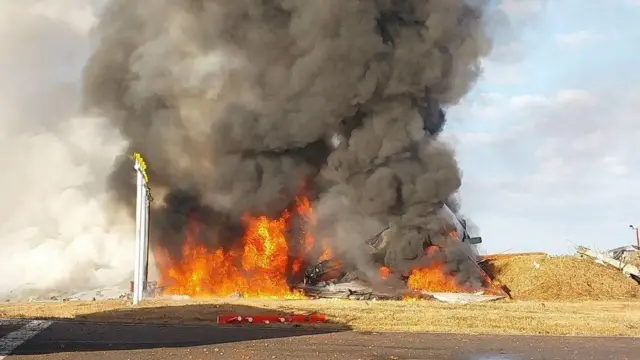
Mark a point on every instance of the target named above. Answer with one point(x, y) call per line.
point(268, 319)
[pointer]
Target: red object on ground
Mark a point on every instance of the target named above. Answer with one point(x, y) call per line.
point(268, 319)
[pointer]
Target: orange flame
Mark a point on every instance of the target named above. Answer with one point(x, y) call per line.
point(384, 272)
point(264, 264)
point(327, 253)
point(433, 278)
point(260, 269)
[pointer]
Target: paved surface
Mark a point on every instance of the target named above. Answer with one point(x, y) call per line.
point(78, 341)
point(9, 326)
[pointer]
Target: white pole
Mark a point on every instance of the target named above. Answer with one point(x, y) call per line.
point(137, 286)
point(144, 234)
point(140, 279)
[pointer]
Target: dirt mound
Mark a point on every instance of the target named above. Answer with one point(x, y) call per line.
point(543, 277)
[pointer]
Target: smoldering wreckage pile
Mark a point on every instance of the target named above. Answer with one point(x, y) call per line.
point(293, 146)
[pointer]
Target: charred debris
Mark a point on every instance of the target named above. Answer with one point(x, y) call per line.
point(335, 278)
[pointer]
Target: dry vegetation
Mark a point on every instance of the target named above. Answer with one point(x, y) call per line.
point(552, 296)
point(616, 318)
point(558, 278)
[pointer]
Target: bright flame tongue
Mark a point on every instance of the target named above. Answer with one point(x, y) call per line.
point(259, 271)
point(265, 246)
point(433, 278)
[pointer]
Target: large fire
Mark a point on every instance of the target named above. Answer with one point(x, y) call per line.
point(259, 269)
point(265, 264)
point(433, 278)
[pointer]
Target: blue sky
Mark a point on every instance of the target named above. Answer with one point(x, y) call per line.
point(547, 138)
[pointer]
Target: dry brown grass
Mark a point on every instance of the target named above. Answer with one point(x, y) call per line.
point(542, 277)
point(561, 296)
point(615, 318)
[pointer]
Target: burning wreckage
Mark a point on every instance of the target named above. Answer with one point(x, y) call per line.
point(266, 267)
point(332, 279)
point(281, 135)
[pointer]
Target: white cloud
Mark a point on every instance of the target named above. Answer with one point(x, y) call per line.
point(470, 138)
point(576, 147)
point(485, 106)
point(524, 102)
point(577, 38)
point(495, 73)
point(615, 166)
point(522, 8)
point(577, 97)
point(510, 52)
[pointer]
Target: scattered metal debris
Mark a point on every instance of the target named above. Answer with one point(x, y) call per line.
point(464, 298)
point(626, 254)
point(41, 296)
point(354, 290)
point(271, 319)
point(627, 269)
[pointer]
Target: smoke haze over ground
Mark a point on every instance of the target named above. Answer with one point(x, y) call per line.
point(232, 104)
point(55, 232)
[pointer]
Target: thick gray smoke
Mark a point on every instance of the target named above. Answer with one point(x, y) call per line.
point(57, 231)
point(238, 105)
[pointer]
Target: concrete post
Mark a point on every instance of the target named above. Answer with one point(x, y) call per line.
point(139, 243)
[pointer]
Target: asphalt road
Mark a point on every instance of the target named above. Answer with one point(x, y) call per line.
point(73, 340)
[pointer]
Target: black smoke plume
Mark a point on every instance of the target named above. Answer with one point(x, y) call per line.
point(238, 105)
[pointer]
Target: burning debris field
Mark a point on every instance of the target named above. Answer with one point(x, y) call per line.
point(273, 263)
point(293, 146)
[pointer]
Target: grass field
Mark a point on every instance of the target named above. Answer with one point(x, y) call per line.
point(561, 295)
point(614, 318)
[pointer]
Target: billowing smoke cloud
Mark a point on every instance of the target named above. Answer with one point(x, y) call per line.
point(55, 233)
point(238, 105)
